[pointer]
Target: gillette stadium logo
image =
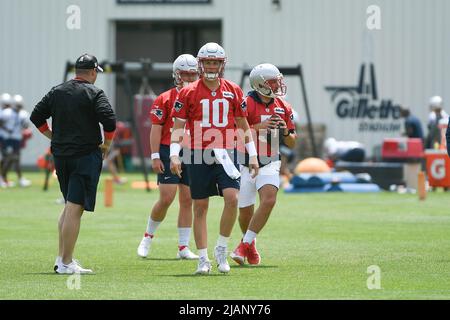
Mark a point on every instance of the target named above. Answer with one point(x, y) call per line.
point(362, 103)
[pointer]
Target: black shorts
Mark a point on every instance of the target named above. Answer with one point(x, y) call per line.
point(207, 180)
point(168, 177)
point(10, 146)
point(78, 178)
point(354, 155)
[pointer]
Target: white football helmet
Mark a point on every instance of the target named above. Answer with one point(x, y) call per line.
point(267, 80)
point(185, 63)
point(5, 99)
point(211, 51)
point(18, 101)
point(436, 102)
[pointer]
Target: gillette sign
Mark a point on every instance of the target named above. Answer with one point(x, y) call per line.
point(362, 103)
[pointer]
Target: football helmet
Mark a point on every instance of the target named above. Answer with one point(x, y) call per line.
point(211, 51)
point(184, 64)
point(436, 102)
point(18, 101)
point(5, 99)
point(267, 80)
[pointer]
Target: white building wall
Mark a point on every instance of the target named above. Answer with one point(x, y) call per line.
point(328, 37)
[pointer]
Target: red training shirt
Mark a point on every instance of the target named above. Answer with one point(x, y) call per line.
point(210, 114)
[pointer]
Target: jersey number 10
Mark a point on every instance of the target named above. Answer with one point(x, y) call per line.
point(216, 120)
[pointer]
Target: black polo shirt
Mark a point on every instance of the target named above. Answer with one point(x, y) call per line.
point(76, 108)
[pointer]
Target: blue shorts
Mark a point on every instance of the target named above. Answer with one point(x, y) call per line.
point(207, 180)
point(168, 177)
point(78, 178)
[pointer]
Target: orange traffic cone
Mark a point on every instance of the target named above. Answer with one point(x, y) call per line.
point(421, 186)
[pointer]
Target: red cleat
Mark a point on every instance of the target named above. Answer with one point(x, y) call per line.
point(253, 256)
point(239, 254)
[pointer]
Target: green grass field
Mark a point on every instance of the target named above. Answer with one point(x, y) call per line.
point(315, 246)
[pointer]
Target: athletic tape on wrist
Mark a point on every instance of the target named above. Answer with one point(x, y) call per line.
point(251, 149)
point(175, 149)
point(155, 155)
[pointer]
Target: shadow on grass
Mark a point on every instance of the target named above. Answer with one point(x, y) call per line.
point(191, 275)
point(55, 274)
point(159, 259)
point(246, 266)
point(42, 274)
point(217, 274)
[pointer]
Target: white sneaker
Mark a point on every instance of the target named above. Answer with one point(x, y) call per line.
point(58, 264)
point(24, 183)
point(144, 246)
point(186, 254)
point(220, 254)
point(73, 267)
point(204, 266)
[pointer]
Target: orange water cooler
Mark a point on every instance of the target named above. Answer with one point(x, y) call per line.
point(438, 168)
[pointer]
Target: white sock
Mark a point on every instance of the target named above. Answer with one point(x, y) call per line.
point(183, 236)
point(152, 226)
point(222, 241)
point(203, 253)
point(249, 236)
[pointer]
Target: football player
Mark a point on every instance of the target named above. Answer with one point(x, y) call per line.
point(5, 103)
point(185, 71)
point(15, 120)
point(272, 120)
point(212, 106)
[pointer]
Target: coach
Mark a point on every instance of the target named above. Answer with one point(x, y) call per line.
point(76, 108)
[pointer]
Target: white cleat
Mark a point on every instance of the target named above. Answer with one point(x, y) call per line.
point(204, 266)
point(186, 254)
point(73, 267)
point(23, 183)
point(144, 246)
point(220, 254)
point(3, 184)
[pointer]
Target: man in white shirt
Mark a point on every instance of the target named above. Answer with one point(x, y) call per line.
point(436, 111)
point(436, 119)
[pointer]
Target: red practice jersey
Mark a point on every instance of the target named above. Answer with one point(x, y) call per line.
point(160, 113)
point(210, 114)
point(258, 112)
